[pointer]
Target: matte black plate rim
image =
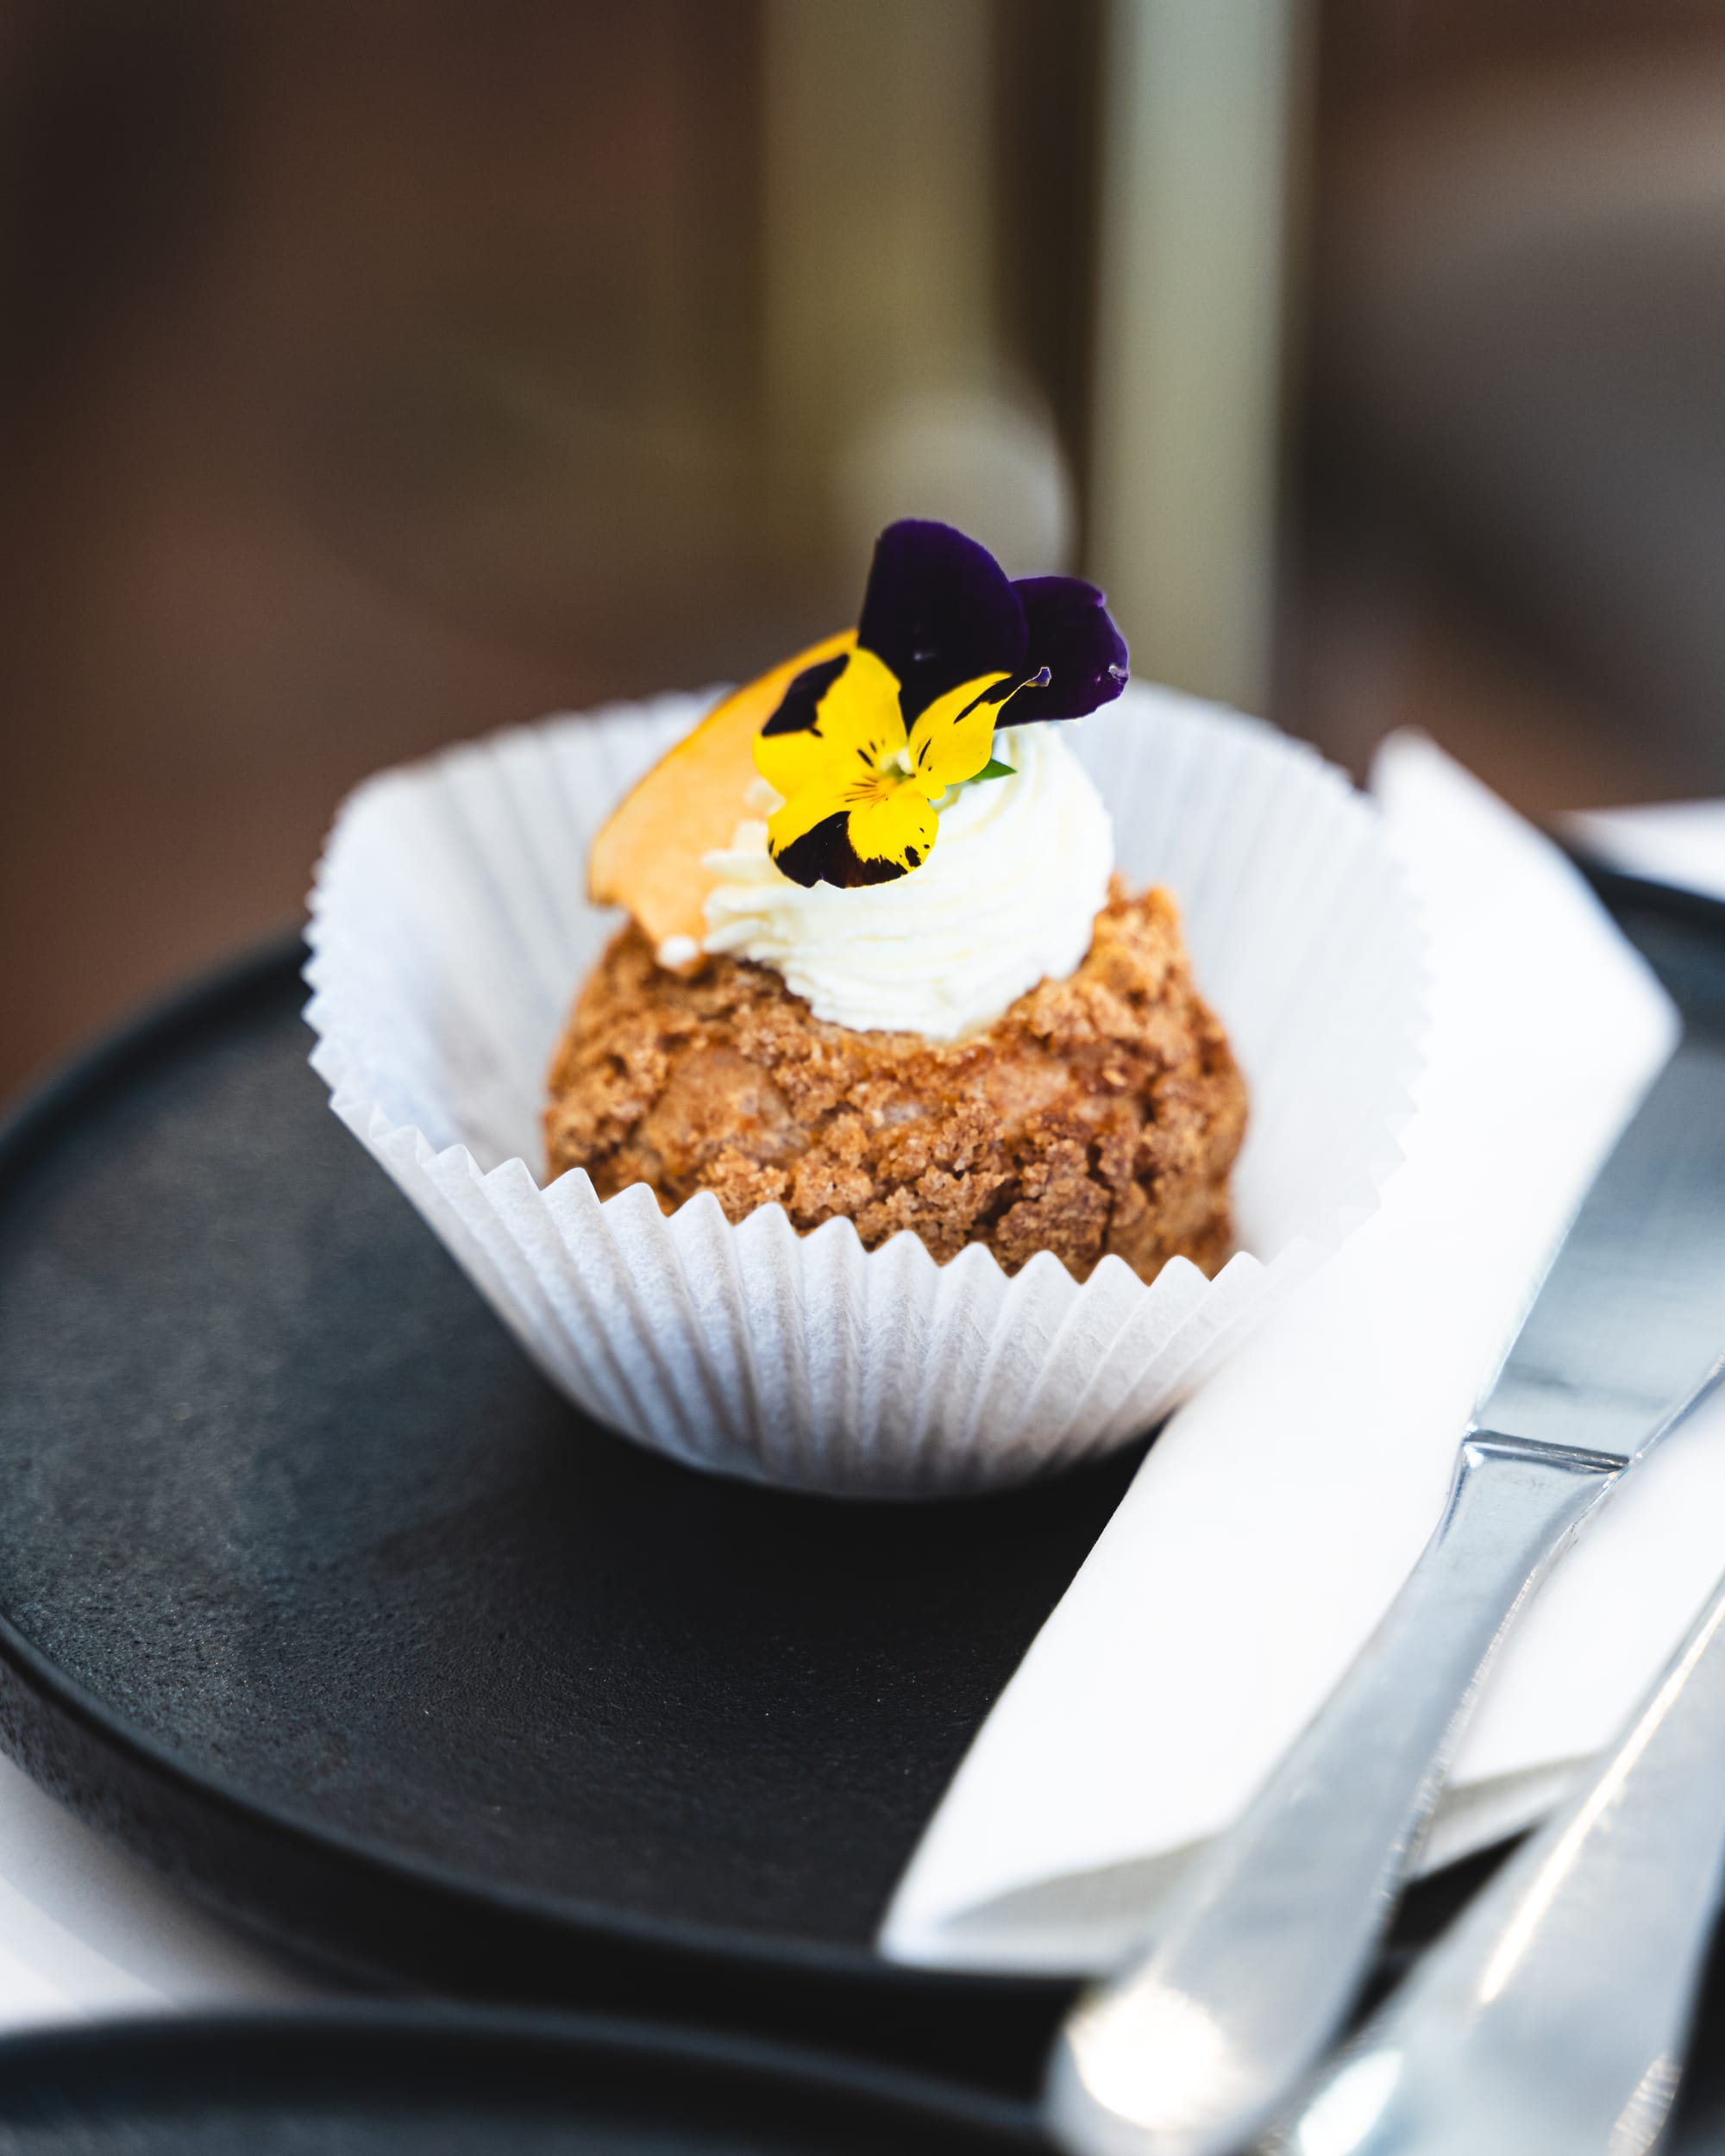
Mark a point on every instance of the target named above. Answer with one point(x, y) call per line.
point(1621, 891)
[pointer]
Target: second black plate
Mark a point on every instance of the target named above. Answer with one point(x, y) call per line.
point(399, 2083)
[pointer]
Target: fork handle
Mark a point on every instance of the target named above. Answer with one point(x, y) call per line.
point(1260, 1948)
point(1551, 2019)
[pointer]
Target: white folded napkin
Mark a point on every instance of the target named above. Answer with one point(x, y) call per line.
point(1273, 1520)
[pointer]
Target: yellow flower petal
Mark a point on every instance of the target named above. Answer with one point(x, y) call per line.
point(866, 830)
point(897, 828)
point(842, 713)
point(815, 804)
point(954, 736)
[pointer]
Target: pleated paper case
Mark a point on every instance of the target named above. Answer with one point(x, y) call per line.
point(451, 929)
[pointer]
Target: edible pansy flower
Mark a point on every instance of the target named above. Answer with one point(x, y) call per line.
point(864, 744)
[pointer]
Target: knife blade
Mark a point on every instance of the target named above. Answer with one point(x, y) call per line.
point(1260, 1948)
point(1627, 1330)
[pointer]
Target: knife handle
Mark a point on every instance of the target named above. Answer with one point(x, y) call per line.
point(1550, 2020)
point(1260, 1948)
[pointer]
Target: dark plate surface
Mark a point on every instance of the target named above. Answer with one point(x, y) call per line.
point(395, 2083)
point(313, 1595)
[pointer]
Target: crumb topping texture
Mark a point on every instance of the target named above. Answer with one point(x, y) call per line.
point(1098, 1113)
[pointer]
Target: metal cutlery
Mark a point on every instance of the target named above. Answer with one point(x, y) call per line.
point(1258, 1951)
point(1551, 2019)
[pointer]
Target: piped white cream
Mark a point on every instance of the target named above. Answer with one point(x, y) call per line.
point(1007, 898)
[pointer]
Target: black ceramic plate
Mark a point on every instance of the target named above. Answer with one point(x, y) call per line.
point(383, 2083)
point(314, 1597)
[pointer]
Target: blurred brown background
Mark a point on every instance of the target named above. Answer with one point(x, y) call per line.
point(379, 372)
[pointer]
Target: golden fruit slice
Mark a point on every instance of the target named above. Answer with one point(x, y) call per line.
point(647, 855)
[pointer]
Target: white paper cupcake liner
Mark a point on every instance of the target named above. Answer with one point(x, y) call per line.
point(450, 930)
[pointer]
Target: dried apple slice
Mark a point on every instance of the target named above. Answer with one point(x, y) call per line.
point(648, 854)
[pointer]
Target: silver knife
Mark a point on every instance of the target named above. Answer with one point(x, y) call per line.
point(1260, 1949)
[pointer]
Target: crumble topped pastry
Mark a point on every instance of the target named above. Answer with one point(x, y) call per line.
point(879, 966)
point(1100, 1112)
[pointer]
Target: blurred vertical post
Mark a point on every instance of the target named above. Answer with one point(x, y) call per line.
point(1199, 103)
point(880, 268)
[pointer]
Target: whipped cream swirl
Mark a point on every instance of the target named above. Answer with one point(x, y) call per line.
point(1006, 899)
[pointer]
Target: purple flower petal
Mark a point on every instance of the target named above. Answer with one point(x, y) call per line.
point(939, 611)
point(1071, 635)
